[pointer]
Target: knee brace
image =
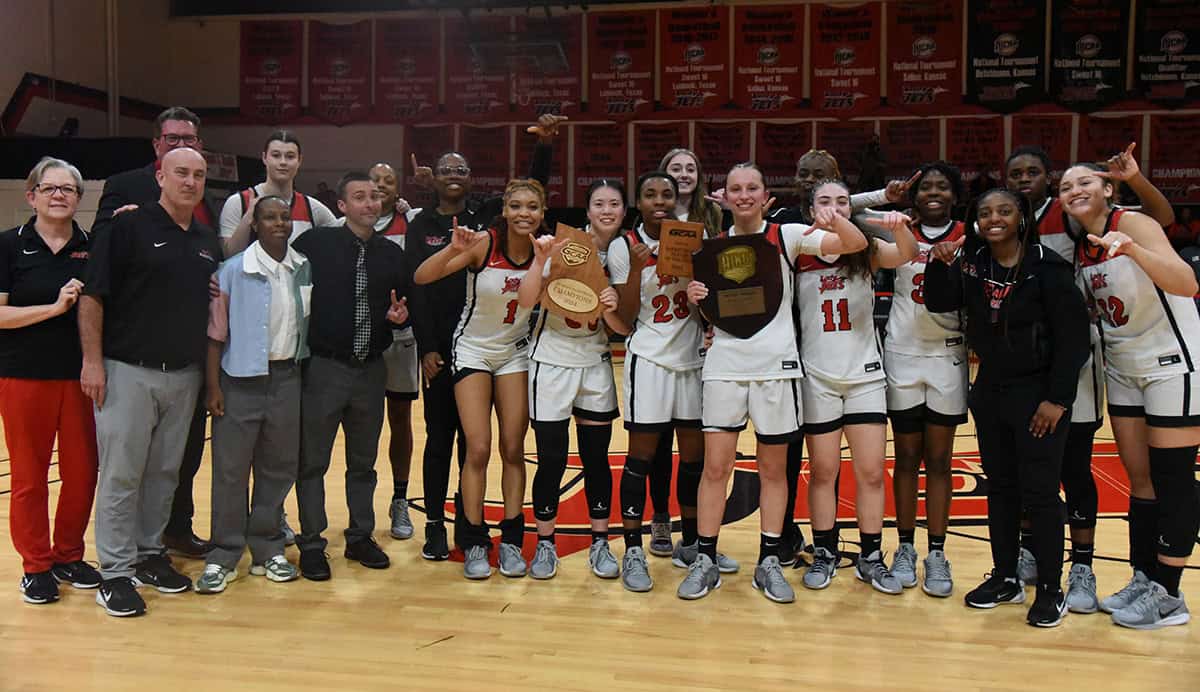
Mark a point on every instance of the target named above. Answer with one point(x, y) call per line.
point(552, 440)
point(633, 488)
point(597, 475)
point(687, 486)
point(1172, 470)
point(1079, 485)
point(660, 473)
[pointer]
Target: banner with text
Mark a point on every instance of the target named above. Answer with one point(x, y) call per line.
point(777, 147)
point(1175, 168)
point(851, 143)
point(339, 71)
point(556, 189)
point(1050, 132)
point(551, 83)
point(721, 146)
point(1101, 137)
point(845, 58)
point(694, 72)
point(621, 66)
point(600, 153)
point(476, 88)
point(767, 56)
point(925, 55)
point(487, 147)
point(271, 70)
point(652, 141)
point(906, 144)
point(976, 146)
point(1167, 50)
point(1087, 52)
point(1005, 53)
point(407, 69)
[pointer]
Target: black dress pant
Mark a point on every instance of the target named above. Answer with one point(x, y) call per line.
point(441, 426)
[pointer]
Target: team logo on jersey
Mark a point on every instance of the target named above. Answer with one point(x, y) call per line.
point(512, 284)
point(996, 292)
point(737, 263)
point(575, 254)
point(79, 254)
point(1099, 281)
point(434, 241)
point(832, 282)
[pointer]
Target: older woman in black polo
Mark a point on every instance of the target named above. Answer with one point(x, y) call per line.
point(41, 263)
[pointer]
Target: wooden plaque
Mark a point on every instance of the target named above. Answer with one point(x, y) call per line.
point(572, 290)
point(744, 280)
point(677, 240)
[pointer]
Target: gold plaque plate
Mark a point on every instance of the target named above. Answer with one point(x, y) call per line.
point(735, 302)
point(572, 295)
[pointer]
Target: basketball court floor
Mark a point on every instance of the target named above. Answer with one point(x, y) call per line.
point(420, 625)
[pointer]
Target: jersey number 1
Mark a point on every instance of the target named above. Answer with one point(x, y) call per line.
point(842, 322)
point(511, 315)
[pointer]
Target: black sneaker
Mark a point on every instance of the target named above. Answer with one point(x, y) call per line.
point(314, 565)
point(435, 547)
point(79, 574)
point(1049, 607)
point(157, 571)
point(39, 588)
point(996, 590)
point(119, 598)
point(791, 545)
point(367, 553)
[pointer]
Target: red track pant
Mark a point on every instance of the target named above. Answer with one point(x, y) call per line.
point(34, 411)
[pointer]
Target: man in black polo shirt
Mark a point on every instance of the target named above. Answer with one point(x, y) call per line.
point(357, 278)
point(143, 323)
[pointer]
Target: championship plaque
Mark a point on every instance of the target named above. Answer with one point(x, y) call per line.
point(745, 283)
point(677, 240)
point(572, 290)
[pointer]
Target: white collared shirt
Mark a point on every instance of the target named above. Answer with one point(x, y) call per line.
point(284, 327)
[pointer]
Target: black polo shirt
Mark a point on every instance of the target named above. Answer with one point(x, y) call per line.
point(33, 275)
point(153, 278)
point(333, 253)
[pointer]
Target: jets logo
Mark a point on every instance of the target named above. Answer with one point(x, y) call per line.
point(1099, 281)
point(832, 282)
point(512, 284)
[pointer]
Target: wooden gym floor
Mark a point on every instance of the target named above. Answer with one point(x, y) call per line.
point(420, 625)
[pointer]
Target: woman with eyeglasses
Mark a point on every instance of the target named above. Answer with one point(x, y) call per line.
point(41, 264)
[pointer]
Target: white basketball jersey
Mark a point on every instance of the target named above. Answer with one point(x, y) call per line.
point(307, 212)
point(567, 343)
point(838, 340)
point(492, 319)
point(912, 329)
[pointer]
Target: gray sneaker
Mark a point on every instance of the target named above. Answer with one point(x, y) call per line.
point(635, 576)
point(938, 581)
point(402, 527)
point(702, 577)
point(510, 561)
point(276, 569)
point(684, 555)
point(904, 565)
point(822, 569)
point(476, 566)
point(1026, 567)
point(603, 562)
point(1155, 608)
point(1081, 590)
point(1132, 591)
point(545, 561)
point(215, 579)
point(872, 570)
point(289, 536)
point(660, 535)
point(769, 579)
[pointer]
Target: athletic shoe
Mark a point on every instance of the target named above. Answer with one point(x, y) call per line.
point(904, 565)
point(938, 581)
point(276, 569)
point(1081, 590)
point(873, 571)
point(476, 566)
point(1049, 608)
point(435, 547)
point(660, 536)
point(996, 590)
point(1154, 609)
point(791, 546)
point(79, 574)
point(215, 579)
point(1131, 592)
point(402, 527)
point(510, 560)
point(603, 562)
point(822, 569)
point(367, 553)
point(1026, 567)
point(635, 574)
point(314, 565)
point(39, 588)
point(702, 577)
point(769, 579)
point(684, 555)
point(289, 536)
point(119, 598)
point(187, 545)
point(544, 564)
point(157, 571)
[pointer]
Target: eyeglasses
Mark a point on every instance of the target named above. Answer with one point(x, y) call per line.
point(453, 170)
point(176, 140)
point(51, 190)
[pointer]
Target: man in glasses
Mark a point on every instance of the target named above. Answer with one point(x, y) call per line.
point(175, 128)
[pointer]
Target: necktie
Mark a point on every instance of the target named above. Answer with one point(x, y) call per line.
point(362, 312)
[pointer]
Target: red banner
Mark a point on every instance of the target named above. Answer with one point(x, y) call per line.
point(652, 141)
point(906, 144)
point(925, 55)
point(976, 146)
point(621, 63)
point(845, 58)
point(721, 146)
point(556, 190)
point(339, 71)
point(1100, 138)
point(767, 56)
point(777, 147)
point(477, 83)
point(694, 43)
point(848, 142)
point(487, 149)
point(426, 144)
point(407, 68)
point(271, 69)
point(1050, 132)
point(1175, 169)
point(551, 80)
point(600, 152)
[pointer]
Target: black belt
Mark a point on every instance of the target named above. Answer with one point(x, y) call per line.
point(345, 358)
point(163, 366)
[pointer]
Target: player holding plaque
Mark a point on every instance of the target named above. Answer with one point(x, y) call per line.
point(755, 379)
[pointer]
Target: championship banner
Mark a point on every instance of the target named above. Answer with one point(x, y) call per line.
point(476, 89)
point(621, 63)
point(426, 143)
point(652, 141)
point(845, 58)
point(407, 68)
point(1087, 52)
point(600, 153)
point(1167, 50)
point(777, 147)
point(694, 72)
point(556, 190)
point(924, 55)
point(270, 71)
point(552, 82)
point(976, 146)
point(848, 142)
point(1050, 132)
point(339, 71)
point(1101, 138)
point(906, 144)
point(1005, 45)
point(1174, 168)
point(767, 57)
point(488, 152)
point(721, 146)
